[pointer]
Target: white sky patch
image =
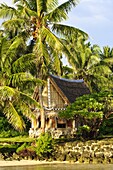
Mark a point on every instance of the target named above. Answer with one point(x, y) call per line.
point(8, 2)
point(61, 1)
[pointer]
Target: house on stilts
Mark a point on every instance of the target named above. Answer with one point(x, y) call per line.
point(57, 94)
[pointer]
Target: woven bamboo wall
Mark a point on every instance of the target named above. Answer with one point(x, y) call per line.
point(45, 97)
point(55, 98)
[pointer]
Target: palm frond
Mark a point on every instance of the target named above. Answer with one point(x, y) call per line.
point(18, 41)
point(56, 63)
point(13, 117)
point(25, 10)
point(64, 30)
point(26, 111)
point(55, 43)
point(7, 11)
point(12, 51)
point(102, 82)
point(83, 59)
point(101, 70)
point(4, 46)
point(1, 33)
point(52, 39)
point(60, 13)
point(51, 4)
point(31, 4)
point(96, 49)
point(56, 16)
point(108, 60)
point(7, 93)
point(92, 61)
point(67, 6)
point(15, 1)
point(41, 50)
point(43, 57)
point(24, 63)
point(106, 51)
point(18, 79)
point(29, 100)
point(13, 24)
point(21, 3)
point(30, 12)
point(41, 7)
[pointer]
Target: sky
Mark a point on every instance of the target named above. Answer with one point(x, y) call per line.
point(95, 17)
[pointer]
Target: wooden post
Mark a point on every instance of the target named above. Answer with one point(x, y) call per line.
point(73, 124)
point(42, 113)
point(50, 123)
point(33, 124)
point(37, 123)
point(55, 123)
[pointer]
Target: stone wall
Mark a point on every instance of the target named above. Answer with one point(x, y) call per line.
point(85, 152)
point(92, 151)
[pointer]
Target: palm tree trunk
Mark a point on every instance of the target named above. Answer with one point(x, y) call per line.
point(42, 110)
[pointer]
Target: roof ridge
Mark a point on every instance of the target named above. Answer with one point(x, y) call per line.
point(68, 80)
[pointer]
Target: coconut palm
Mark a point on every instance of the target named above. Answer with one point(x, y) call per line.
point(107, 56)
point(106, 52)
point(14, 81)
point(40, 20)
point(87, 63)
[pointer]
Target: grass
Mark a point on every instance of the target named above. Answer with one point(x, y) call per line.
point(17, 139)
point(22, 139)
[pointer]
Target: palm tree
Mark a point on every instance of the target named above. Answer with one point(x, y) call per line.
point(40, 20)
point(107, 56)
point(86, 63)
point(15, 81)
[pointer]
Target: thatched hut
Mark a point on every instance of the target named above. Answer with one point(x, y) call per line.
point(57, 94)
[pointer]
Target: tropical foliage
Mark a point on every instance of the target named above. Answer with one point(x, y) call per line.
point(89, 63)
point(14, 81)
point(40, 21)
point(90, 111)
point(44, 146)
point(41, 148)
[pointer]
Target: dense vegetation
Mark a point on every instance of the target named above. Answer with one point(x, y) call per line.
point(92, 113)
point(24, 148)
point(32, 44)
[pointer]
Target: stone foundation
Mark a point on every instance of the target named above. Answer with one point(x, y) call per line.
point(85, 152)
point(56, 133)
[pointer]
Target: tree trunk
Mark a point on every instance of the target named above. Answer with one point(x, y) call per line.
point(42, 110)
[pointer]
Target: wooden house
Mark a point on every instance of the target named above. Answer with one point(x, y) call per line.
point(57, 94)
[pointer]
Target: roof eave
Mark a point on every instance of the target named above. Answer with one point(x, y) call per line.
point(60, 92)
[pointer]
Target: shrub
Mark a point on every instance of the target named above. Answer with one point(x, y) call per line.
point(26, 150)
point(21, 148)
point(106, 127)
point(44, 145)
point(8, 148)
point(83, 131)
point(41, 147)
point(6, 130)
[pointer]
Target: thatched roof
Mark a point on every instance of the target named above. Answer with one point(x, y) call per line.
point(70, 88)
